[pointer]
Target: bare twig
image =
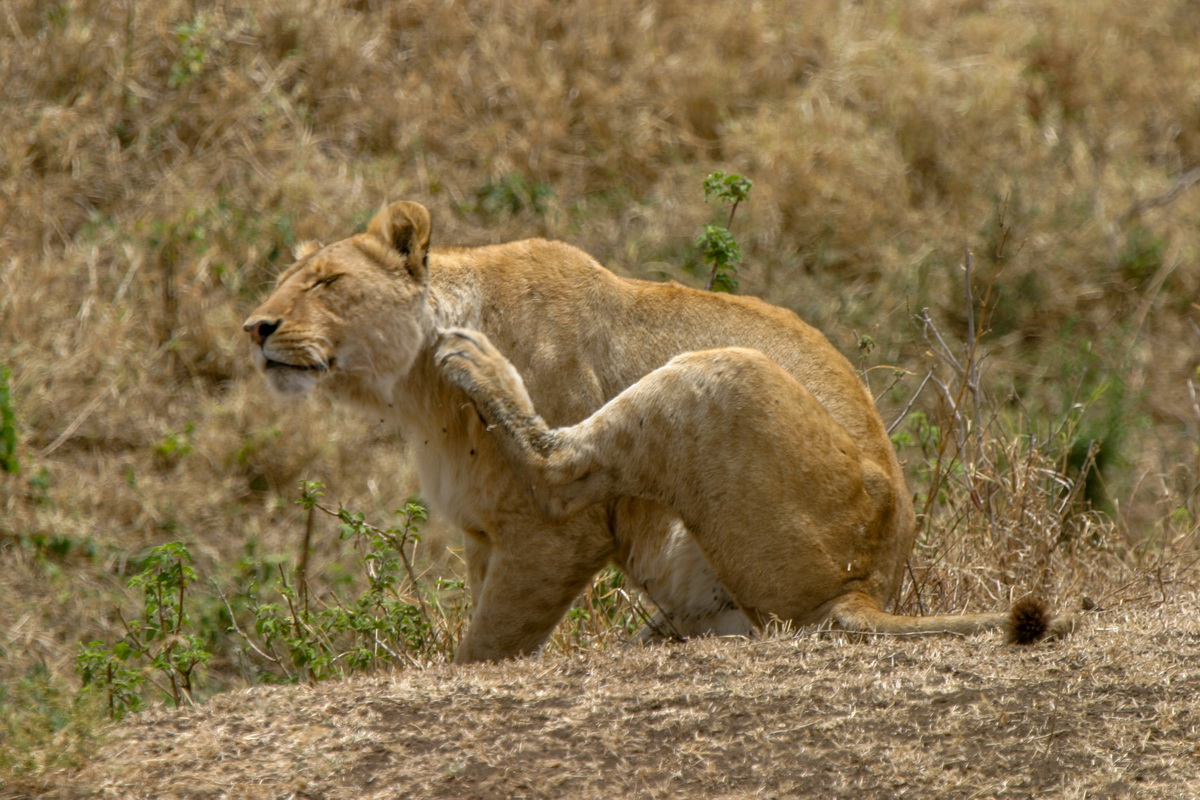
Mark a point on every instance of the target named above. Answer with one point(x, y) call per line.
point(69, 431)
point(916, 586)
point(1182, 184)
point(940, 344)
point(911, 401)
point(271, 657)
point(972, 344)
point(302, 564)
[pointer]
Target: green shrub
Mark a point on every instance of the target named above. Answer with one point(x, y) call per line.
point(160, 639)
point(719, 247)
point(8, 426)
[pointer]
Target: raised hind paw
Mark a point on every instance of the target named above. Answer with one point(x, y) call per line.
point(468, 360)
point(459, 355)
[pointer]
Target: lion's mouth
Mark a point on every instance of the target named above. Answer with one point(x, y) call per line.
point(319, 367)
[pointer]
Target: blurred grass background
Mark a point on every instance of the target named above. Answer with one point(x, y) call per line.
point(159, 161)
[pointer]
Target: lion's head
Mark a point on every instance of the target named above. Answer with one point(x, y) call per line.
point(351, 313)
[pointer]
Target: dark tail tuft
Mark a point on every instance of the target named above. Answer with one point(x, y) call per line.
point(1028, 621)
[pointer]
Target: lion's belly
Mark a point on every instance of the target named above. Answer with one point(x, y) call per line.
point(661, 559)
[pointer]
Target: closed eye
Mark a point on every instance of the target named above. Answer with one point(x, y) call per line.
point(325, 281)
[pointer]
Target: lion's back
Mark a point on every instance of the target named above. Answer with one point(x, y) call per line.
point(582, 334)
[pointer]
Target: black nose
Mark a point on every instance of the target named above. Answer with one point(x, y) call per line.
point(260, 329)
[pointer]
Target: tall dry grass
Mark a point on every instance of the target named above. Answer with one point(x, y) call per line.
point(159, 160)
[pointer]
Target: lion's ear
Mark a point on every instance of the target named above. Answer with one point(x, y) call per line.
point(405, 227)
point(306, 249)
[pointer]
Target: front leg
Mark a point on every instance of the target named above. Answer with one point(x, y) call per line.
point(535, 570)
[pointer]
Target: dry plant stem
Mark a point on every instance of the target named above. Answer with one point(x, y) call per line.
point(954, 401)
point(896, 378)
point(271, 657)
point(967, 425)
point(149, 677)
point(969, 373)
point(302, 565)
point(973, 334)
point(911, 402)
point(77, 422)
point(916, 587)
point(1185, 181)
point(635, 604)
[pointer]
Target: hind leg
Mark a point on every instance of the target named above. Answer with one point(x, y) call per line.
point(666, 564)
point(471, 362)
point(570, 468)
point(561, 464)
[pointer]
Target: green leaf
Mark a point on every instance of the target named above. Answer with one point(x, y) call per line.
point(724, 282)
point(718, 246)
point(730, 187)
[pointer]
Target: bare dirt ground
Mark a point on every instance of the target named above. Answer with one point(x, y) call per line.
point(1114, 711)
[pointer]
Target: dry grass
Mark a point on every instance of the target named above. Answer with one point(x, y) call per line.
point(159, 160)
point(1108, 713)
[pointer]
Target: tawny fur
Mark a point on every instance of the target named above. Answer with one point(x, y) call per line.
point(736, 446)
point(361, 317)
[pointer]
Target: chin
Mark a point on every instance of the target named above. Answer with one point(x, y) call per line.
point(291, 382)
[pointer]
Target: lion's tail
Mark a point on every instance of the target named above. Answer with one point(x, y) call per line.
point(1025, 623)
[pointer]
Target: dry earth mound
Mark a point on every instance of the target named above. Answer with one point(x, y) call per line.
point(1110, 712)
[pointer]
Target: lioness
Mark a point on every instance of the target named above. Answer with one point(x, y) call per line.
point(362, 316)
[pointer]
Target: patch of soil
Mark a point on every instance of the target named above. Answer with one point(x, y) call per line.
point(1113, 711)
